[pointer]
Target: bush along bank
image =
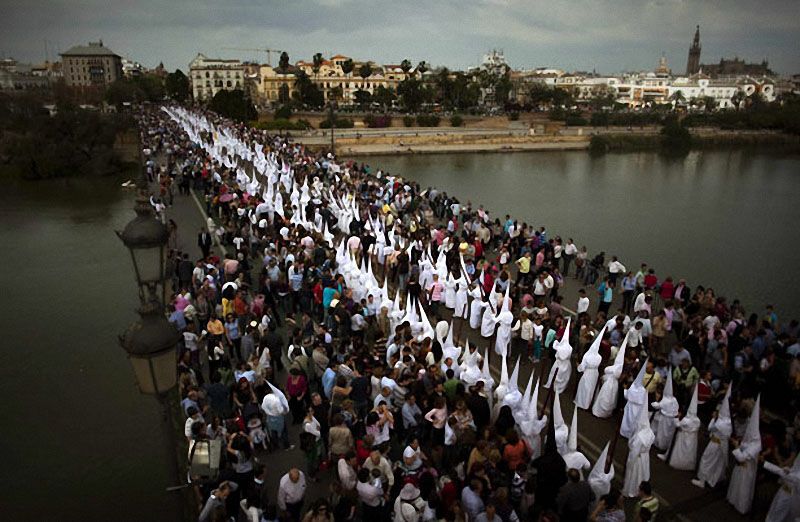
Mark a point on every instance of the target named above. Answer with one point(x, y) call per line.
point(602, 143)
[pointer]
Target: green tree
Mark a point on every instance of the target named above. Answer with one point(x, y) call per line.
point(362, 97)
point(561, 98)
point(318, 59)
point(422, 67)
point(443, 87)
point(677, 98)
point(677, 141)
point(307, 93)
point(73, 142)
point(540, 94)
point(502, 90)
point(413, 94)
point(177, 86)
point(385, 96)
point(405, 65)
point(347, 66)
point(365, 71)
point(234, 105)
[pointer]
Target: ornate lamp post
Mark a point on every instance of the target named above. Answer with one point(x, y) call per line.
point(151, 342)
point(332, 106)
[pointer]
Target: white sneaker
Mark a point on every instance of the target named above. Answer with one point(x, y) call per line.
point(662, 456)
point(699, 483)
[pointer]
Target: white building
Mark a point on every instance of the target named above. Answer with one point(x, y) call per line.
point(722, 90)
point(211, 75)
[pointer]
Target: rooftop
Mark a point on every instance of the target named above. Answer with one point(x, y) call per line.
point(93, 49)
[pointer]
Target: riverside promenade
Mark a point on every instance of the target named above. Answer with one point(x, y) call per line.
point(679, 499)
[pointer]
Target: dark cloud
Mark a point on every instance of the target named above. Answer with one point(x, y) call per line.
point(609, 35)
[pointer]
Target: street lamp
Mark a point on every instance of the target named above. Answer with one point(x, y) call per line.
point(332, 106)
point(146, 237)
point(151, 342)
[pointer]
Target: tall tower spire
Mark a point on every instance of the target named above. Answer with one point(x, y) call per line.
point(693, 63)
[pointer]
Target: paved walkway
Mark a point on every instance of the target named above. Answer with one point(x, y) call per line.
point(680, 499)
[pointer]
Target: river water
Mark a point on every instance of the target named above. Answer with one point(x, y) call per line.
point(81, 442)
point(725, 219)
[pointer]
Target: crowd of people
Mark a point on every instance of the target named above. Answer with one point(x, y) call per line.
point(364, 311)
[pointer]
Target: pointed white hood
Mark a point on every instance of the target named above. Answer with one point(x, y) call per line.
point(486, 375)
point(598, 471)
point(725, 406)
point(526, 397)
point(640, 376)
point(594, 349)
point(513, 385)
point(643, 419)
point(692, 411)
point(752, 434)
point(533, 407)
point(668, 386)
point(507, 299)
point(572, 442)
point(448, 343)
point(558, 417)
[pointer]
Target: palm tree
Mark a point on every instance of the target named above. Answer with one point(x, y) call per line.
point(405, 65)
point(736, 99)
point(365, 71)
point(317, 63)
point(677, 98)
point(422, 67)
point(347, 66)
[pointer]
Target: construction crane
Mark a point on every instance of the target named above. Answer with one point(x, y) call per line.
point(268, 51)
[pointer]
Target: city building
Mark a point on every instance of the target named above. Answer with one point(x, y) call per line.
point(91, 65)
point(131, 69)
point(276, 86)
point(211, 75)
point(736, 67)
point(693, 62)
point(15, 76)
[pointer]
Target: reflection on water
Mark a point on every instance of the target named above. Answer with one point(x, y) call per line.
point(81, 443)
point(725, 218)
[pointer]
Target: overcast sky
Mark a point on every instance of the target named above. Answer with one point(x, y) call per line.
point(607, 35)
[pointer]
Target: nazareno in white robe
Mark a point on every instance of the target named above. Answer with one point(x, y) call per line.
point(475, 309)
point(588, 382)
point(487, 322)
point(664, 422)
point(450, 292)
point(785, 506)
point(684, 453)
point(636, 397)
point(714, 461)
point(503, 338)
point(461, 309)
point(742, 486)
point(606, 399)
point(564, 365)
point(637, 468)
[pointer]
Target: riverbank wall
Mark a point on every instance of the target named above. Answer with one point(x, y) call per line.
point(605, 140)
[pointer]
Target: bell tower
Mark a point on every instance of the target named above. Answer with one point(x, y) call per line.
point(693, 63)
